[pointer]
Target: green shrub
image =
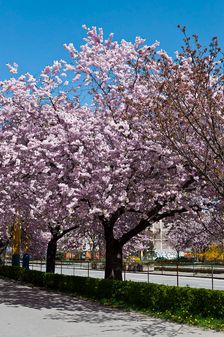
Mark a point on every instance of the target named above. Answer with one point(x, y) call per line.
point(10, 272)
point(180, 301)
point(34, 277)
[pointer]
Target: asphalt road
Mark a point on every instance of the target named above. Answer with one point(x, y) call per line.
point(184, 280)
point(33, 312)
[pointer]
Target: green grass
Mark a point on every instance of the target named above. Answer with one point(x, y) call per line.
point(178, 317)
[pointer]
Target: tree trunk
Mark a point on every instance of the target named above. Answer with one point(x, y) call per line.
point(113, 268)
point(51, 255)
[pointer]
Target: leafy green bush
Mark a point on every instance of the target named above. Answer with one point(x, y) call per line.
point(181, 301)
point(33, 276)
point(10, 272)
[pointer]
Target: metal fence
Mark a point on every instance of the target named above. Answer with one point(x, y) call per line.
point(209, 276)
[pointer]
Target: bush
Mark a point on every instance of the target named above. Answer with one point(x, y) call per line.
point(183, 301)
point(10, 272)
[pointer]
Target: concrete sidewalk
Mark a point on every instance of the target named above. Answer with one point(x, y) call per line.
point(33, 312)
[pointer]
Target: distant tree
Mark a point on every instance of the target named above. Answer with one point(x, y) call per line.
point(190, 107)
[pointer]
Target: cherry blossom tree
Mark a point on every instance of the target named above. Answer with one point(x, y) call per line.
point(190, 107)
point(35, 158)
point(97, 165)
point(197, 235)
point(134, 180)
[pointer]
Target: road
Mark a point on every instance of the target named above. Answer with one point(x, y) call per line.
point(184, 280)
point(33, 312)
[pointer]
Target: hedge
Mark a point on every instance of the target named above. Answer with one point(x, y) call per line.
point(183, 301)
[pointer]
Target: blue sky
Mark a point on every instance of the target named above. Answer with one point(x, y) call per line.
point(32, 33)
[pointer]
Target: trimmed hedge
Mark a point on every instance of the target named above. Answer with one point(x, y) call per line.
point(183, 301)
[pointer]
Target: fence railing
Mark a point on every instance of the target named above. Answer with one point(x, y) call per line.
point(143, 272)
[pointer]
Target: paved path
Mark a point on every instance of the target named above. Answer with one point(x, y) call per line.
point(33, 312)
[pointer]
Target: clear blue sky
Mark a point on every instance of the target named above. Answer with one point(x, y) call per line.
point(32, 32)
